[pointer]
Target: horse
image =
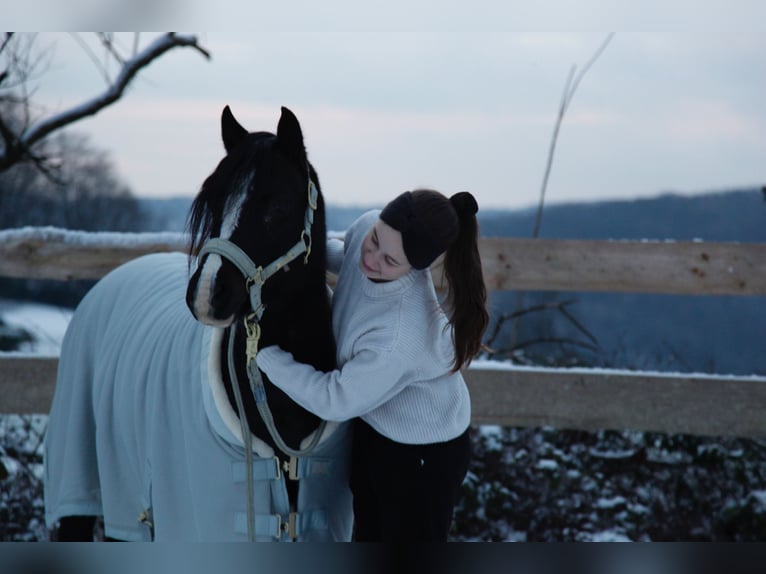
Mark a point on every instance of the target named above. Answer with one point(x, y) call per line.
point(157, 367)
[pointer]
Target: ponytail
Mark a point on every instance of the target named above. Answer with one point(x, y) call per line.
point(432, 224)
point(467, 293)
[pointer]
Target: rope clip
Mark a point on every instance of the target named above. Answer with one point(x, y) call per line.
point(253, 329)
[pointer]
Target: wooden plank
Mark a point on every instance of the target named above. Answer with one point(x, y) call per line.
point(567, 399)
point(27, 384)
point(693, 268)
point(592, 400)
point(51, 253)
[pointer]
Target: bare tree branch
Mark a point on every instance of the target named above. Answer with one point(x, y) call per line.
point(545, 340)
point(561, 307)
point(92, 55)
point(569, 90)
point(6, 41)
point(19, 147)
point(107, 39)
point(580, 327)
point(566, 98)
point(516, 352)
point(512, 315)
point(115, 91)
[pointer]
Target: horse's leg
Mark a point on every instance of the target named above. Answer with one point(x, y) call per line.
point(75, 529)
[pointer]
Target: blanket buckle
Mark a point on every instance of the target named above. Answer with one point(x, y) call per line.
point(290, 527)
point(290, 468)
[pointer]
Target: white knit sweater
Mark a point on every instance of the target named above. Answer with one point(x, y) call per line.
point(395, 353)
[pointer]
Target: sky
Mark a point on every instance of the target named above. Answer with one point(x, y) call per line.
point(387, 108)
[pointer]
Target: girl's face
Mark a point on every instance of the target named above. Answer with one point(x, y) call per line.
point(382, 257)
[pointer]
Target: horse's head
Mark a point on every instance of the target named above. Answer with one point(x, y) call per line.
point(258, 199)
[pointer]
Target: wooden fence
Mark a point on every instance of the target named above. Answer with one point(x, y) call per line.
point(586, 399)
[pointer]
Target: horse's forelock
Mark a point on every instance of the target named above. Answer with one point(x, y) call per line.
point(198, 225)
point(217, 191)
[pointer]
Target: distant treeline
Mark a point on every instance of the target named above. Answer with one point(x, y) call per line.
point(721, 216)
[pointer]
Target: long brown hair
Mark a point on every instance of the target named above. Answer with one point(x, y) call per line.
point(467, 295)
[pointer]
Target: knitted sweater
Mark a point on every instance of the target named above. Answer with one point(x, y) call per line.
point(395, 353)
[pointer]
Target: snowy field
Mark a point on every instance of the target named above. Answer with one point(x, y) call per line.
point(47, 324)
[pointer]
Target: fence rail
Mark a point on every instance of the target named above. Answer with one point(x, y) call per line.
point(683, 267)
point(575, 399)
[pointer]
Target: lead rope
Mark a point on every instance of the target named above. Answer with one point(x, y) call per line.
point(253, 330)
point(247, 439)
point(259, 393)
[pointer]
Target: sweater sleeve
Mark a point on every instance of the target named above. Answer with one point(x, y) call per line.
point(335, 252)
point(364, 382)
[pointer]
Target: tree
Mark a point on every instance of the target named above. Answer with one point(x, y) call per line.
point(23, 135)
point(86, 194)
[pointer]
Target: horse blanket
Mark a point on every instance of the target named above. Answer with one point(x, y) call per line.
point(141, 430)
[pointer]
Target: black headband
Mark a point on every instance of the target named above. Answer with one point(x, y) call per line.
point(421, 245)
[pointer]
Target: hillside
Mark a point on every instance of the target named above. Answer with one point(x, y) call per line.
point(720, 216)
point(662, 332)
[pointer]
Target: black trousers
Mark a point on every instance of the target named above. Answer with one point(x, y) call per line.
point(402, 492)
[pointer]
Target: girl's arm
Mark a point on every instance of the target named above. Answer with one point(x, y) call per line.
point(364, 382)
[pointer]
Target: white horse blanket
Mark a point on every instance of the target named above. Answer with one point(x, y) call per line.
point(141, 430)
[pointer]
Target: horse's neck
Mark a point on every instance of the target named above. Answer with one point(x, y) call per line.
point(294, 422)
point(301, 324)
point(294, 325)
point(307, 333)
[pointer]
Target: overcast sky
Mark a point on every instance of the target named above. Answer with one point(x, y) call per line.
point(383, 111)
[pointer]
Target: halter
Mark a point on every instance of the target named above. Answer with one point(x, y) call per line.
point(255, 278)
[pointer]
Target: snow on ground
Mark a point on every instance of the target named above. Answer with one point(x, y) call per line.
point(46, 323)
point(507, 365)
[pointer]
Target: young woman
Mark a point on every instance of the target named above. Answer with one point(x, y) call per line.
point(400, 357)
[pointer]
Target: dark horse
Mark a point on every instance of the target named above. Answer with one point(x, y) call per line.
point(145, 428)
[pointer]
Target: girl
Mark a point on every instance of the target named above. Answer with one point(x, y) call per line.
point(400, 358)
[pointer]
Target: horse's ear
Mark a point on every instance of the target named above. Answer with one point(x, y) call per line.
point(231, 132)
point(290, 136)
